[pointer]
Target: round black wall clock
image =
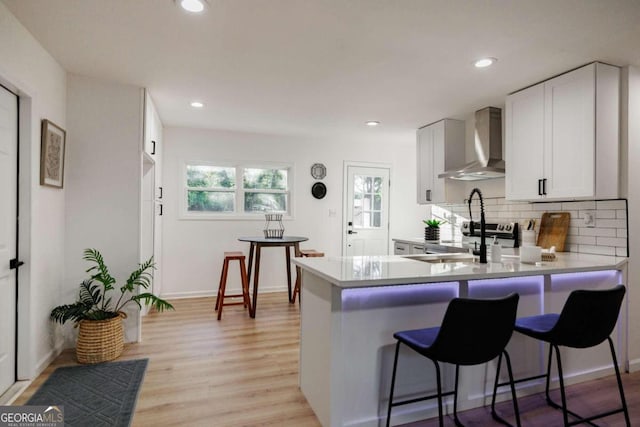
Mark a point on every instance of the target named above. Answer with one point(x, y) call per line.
point(318, 190)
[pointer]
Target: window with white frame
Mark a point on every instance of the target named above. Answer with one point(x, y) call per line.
point(219, 190)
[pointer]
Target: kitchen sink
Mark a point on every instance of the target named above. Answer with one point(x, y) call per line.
point(442, 258)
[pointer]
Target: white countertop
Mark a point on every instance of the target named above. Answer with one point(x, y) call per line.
point(411, 240)
point(352, 272)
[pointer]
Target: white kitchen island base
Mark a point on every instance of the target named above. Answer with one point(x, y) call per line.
point(348, 321)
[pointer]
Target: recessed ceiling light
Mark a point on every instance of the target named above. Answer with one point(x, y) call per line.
point(194, 6)
point(484, 62)
point(372, 123)
point(197, 104)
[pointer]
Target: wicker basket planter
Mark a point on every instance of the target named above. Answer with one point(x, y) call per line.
point(100, 340)
point(103, 340)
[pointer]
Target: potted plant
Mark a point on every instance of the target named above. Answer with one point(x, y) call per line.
point(100, 335)
point(432, 230)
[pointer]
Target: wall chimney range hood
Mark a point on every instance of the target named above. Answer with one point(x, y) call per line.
point(488, 146)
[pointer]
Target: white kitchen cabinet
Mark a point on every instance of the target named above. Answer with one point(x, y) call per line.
point(152, 123)
point(440, 146)
point(524, 133)
point(401, 248)
point(153, 208)
point(417, 248)
point(562, 137)
point(407, 247)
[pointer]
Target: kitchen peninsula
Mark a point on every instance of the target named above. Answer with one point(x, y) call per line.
point(351, 306)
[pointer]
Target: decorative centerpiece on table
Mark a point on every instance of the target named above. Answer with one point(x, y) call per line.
point(273, 228)
point(432, 229)
point(101, 335)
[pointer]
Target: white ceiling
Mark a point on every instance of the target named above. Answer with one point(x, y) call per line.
point(321, 68)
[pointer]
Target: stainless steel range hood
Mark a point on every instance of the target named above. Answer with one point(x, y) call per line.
point(488, 146)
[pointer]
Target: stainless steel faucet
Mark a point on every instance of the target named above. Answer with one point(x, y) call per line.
point(483, 244)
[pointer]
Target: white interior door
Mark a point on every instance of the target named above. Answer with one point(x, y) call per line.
point(366, 211)
point(8, 216)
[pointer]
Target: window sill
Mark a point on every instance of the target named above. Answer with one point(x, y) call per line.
point(228, 217)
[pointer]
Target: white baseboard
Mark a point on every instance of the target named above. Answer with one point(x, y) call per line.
point(21, 385)
point(46, 360)
point(211, 293)
point(190, 294)
point(14, 392)
point(634, 365)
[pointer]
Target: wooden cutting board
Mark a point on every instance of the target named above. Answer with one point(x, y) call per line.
point(554, 227)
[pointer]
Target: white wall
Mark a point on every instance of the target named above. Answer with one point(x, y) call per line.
point(193, 249)
point(631, 136)
point(103, 181)
point(41, 83)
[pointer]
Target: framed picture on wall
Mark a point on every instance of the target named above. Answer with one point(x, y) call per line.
point(52, 154)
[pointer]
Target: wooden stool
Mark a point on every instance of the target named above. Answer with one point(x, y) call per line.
point(311, 253)
point(246, 301)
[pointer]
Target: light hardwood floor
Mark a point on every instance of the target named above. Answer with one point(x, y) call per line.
point(244, 372)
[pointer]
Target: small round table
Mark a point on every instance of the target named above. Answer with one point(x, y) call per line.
point(258, 243)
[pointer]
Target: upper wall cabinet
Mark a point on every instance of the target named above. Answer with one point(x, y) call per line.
point(152, 128)
point(440, 146)
point(562, 137)
point(152, 140)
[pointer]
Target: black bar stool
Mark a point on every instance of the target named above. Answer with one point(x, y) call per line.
point(587, 319)
point(473, 331)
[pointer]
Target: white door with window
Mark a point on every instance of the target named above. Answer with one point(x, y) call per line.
point(366, 211)
point(8, 216)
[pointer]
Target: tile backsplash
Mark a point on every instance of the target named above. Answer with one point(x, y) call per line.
point(607, 235)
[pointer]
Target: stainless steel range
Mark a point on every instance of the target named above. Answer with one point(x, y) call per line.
point(504, 233)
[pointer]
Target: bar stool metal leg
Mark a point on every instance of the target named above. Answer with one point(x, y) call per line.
point(439, 385)
point(565, 410)
point(455, 400)
point(565, 415)
point(393, 383)
point(625, 410)
point(514, 398)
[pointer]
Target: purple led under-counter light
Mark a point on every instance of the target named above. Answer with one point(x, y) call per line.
point(570, 281)
point(425, 293)
point(402, 295)
point(496, 288)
